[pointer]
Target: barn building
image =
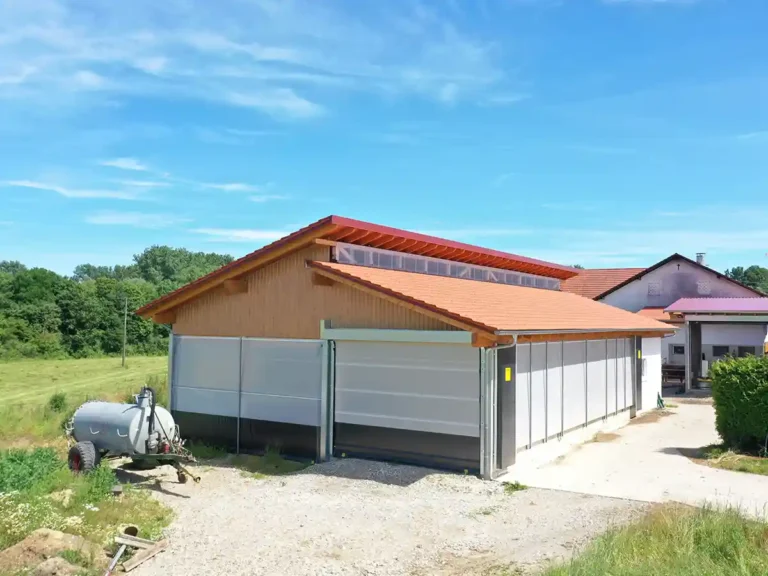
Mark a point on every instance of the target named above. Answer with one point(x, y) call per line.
point(347, 338)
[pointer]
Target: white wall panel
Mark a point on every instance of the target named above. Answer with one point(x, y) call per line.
point(554, 388)
point(282, 381)
point(652, 351)
point(538, 391)
point(612, 396)
point(596, 379)
point(621, 373)
point(523, 364)
point(574, 396)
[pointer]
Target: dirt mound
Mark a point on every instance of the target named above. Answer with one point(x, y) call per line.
point(56, 567)
point(43, 544)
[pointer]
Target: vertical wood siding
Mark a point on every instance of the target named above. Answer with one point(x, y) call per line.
point(282, 302)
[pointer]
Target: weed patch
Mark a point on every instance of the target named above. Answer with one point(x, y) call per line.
point(674, 540)
point(57, 402)
point(270, 464)
point(37, 490)
point(512, 487)
point(203, 451)
point(719, 456)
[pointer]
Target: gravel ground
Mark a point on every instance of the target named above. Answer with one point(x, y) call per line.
point(353, 517)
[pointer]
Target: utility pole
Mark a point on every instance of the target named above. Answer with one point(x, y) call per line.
point(125, 327)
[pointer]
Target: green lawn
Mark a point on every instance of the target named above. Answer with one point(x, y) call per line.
point(34, 381)
point(27, 415)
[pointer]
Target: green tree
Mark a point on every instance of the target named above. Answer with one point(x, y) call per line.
point(45, 314)
point(754, 276)
point(11, 266)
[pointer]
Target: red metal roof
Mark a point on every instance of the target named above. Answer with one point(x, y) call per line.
point(337, 228)
point(376, 236)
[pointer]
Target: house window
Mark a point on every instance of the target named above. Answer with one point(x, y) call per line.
point(677, 349)
point(704, 288)
point(747, 351)
point(720, 351)
point(654, 288)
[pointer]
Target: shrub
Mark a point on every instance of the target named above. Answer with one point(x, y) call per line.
point(22, 469)
point(740, 393)
point(57, 402)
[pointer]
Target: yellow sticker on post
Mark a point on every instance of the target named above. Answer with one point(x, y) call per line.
point(508, 374)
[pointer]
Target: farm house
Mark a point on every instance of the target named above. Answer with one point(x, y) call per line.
point(349, 338)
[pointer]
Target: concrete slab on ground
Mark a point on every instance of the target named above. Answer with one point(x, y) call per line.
point(648, 460)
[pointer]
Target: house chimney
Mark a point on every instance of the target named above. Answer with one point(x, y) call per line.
point(700, 258)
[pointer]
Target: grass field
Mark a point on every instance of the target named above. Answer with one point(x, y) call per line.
point(30, 382)
point(29, 417)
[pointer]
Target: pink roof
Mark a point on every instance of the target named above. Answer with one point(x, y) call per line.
point(720, 305)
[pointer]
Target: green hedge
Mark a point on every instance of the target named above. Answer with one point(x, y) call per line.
point(740, 392)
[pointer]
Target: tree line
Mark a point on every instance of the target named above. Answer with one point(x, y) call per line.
point(44, 314)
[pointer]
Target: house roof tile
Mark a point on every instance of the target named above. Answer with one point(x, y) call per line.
point(493, 307)
point(592, 283)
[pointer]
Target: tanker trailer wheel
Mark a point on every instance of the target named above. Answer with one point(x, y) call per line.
point(83, 457)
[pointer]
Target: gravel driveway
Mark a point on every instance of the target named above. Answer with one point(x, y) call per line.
point(353, 517)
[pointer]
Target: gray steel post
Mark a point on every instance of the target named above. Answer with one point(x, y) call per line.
point(171, 387)
point(562, 387)
point(483, 370)
point(530, 394)
point(239, 397)
point(606, 380)
point(586, 382)
point(322, 448)
point(546, 391)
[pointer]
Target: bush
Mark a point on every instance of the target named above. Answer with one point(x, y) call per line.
point(22, 469)
point(740, 393)
point(57, 402)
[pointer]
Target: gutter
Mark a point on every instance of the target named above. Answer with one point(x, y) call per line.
point(516, 333)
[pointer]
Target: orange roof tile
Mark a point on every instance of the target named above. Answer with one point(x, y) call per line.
point(658, 314)
point(592, 283)
point(492, 307)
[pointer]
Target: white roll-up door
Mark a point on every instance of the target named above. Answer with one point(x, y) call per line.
point(415, 401)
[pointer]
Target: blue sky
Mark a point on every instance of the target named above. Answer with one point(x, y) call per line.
point(599, 132)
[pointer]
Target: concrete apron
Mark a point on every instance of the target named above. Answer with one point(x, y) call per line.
point(647, 460)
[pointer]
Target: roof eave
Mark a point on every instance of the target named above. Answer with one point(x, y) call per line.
point(260, 257)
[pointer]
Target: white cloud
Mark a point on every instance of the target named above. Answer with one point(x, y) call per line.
point(505, 99)
point(279, 102)
point(239, 235)
point(502, 178)
point(261, 198)
point(17, 77)
point(134, 219)
point(88, 79)
point(125, 164)
point(143, 183)
point(233, 187)
point(282, 58)
point(151, 65)
point(72, 193)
